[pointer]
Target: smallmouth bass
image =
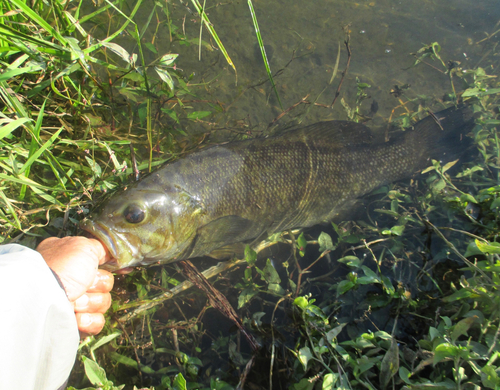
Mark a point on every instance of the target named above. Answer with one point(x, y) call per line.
point(244, 190)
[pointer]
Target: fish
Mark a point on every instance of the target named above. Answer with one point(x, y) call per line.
point(241, 191)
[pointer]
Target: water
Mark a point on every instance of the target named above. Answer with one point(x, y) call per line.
point(382, 36)
point(302, 38)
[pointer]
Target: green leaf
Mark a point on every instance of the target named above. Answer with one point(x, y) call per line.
point(171, 113)
point(390, 364)
point(117, 49)
point(438, 186)
point(301, 302)
point(104, 340)
point(489, 377)
point(95, 373)
point(269, 273)
point(331, 334)
point(443, 351)
point(405, 375)
point(250, 255)
point(304, 356)
point(493, 247)
point(168, 59)
point(460, 294)
point(329, 381)
point(246, 295)
point(179, 382)
point(344, 286)
point(198, 114)
point(96, 169)
point(301, 244)
point(469, 92)
point(151, 47)
point(165, 77)
point(351, 261)
point(472, 250)
point(131, 363)
point(368, 272)
point(367, 280)
point(495, 204)
point(397, 230)
point(428, 169)
point(275, 288)
point(325, 242)
point(386, 283)
point(304, 384)
point(449, 165)
point(462, 327)
point(468, 198)
point(434, 333)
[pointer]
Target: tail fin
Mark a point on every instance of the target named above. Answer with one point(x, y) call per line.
point(442, 135)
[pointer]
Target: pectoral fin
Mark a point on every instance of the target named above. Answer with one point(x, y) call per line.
point(230, 251)
point(222, 232)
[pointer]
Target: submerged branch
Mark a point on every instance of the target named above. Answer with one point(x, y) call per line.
point(344, 73)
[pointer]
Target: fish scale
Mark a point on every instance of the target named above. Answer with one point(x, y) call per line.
point(241, 191)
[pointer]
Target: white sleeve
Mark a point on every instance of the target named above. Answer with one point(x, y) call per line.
point(38, 331)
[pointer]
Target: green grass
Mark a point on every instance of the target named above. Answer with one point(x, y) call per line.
point(423, 264)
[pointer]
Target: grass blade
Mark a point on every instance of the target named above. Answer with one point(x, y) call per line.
point(9, 128)
point(211, 29)
point(336, 68)
point(26, 167)
point(263, 51)
point(39, 20)
point(11, 210)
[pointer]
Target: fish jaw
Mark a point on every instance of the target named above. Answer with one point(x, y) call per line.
point(123, 253)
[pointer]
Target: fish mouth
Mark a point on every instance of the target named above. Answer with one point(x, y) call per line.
point(121, 257)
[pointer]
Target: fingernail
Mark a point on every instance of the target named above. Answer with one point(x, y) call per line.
point(82, 302)
point(85, 320)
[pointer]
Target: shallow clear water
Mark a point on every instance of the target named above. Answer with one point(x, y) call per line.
point(382, 36)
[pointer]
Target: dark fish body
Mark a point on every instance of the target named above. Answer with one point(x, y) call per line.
point(244, 190)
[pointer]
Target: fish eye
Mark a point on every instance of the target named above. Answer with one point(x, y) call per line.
point(134, 214)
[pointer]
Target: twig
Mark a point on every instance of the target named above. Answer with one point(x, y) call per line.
point(135, 350)
point(281, 115)
point(245, 373)
point(273, 344)
point(216, 298)
point(488, 36)
point(134, 163)
point(344, 73)
point(365, 245)
point(454, 250)
point(426, 63)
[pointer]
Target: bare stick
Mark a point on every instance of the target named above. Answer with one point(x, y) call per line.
point(344, 73)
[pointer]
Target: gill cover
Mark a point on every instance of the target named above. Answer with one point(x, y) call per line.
point(142, 226)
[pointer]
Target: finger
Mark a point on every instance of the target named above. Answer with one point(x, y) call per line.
point(103, 282)
point(47, 243)
point(101, 250)
point(93, 303)
point(90, 323)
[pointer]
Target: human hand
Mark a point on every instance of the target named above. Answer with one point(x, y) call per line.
point(75, 261)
